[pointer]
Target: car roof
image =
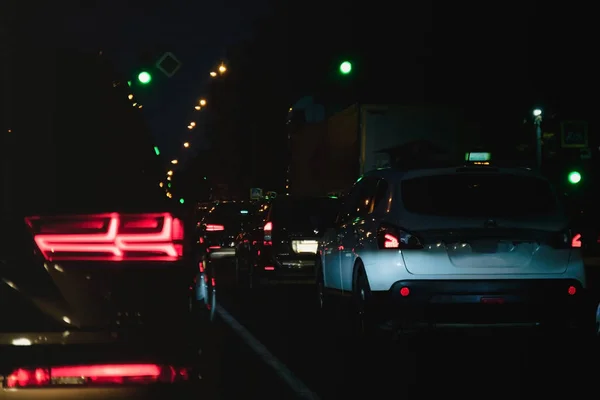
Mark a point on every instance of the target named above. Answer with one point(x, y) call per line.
point(396, 175)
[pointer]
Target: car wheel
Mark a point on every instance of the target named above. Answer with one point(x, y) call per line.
point(362, 323)
point(203, 302)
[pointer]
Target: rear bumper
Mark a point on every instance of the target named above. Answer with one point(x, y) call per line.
point(176, 391)
point(287, 269)
point(482, 301)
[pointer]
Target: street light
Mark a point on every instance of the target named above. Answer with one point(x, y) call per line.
point(192, 124)
point(198, 108)
point(130, 97)
point(186, 145)
point(169, 173)
point(213, 73)
point(222, 69)
point(174, 161)
point(202, 102)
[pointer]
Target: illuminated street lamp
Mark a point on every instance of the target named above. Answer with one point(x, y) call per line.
point(186, 145)
point(130, 97)
point(213, 73)
point(202, 102)
point(192, 124)
point(198, 108)
point(222, 69)
point(174, 161)
point(190, 127)
point(169, 173)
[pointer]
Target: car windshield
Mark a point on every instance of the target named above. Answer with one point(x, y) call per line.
point(224, 212)
point(478, 195)
point(305, 213)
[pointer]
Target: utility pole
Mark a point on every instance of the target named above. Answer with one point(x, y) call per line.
point(537, 120)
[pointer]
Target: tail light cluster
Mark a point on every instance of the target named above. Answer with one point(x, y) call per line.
point(111, 237)
point(214, 228)
point(90, 375)
point(393, 237)
point(268, 231)
point(566, 239)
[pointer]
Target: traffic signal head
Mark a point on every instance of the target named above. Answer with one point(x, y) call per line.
point(346, 67)
point(144, 77)
point(574, 177)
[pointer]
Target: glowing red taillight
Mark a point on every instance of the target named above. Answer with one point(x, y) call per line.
point(572, 290)
point(104, 374)
point(111, 237)
point(214, 228)
point(268, 231)
point(576, 241)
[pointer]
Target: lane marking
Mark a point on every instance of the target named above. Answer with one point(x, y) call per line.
point(299, 388)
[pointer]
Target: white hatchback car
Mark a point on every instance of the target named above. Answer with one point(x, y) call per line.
point(469, 245)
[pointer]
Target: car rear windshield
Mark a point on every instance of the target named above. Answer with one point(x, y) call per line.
point(229, 212)
point(312, 213)
point(478, 195)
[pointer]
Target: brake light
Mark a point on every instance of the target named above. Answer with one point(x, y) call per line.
point(391, 237)
point(105, 374)
point(268, 231)
point(576, 240)
point(214, 228)
point(110, 237)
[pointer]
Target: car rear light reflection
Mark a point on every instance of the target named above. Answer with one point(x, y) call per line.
point(269, 268)
point(110, 237)
point(214, 228)
point(105, 374)
point(572, 290)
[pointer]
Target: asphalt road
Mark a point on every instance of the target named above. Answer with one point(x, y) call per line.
point(292, 349)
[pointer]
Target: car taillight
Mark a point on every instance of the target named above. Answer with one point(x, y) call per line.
point(576, 240)
point(268, 231)
point(110, 237)
point(214, 228)
point(104, 374)
point(391, 237)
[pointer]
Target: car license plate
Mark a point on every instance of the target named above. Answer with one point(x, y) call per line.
point(305, 246)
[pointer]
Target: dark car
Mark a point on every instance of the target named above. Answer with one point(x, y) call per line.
point(282, 246)
point(99, 305)
point(218, 229)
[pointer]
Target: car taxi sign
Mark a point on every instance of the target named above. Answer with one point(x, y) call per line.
point(478, 156)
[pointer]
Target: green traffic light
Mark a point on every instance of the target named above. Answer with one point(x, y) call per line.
point(157, 151)
point(181, 201)
point(346, 67)
point(574, 177)
point(144, 77)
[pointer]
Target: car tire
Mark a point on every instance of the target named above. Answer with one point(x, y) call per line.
point(362, 325)
point(203, 299)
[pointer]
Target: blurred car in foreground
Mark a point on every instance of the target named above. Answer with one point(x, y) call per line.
point(218, 229)
point(282, 245)
point(98, 305)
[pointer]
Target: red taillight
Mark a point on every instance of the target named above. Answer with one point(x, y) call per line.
point(404, 292)
point(268, 230)
point(390, 241)
point(111, 237)
point(572, 290)
point(391, 237)
point(214, 228)
point(576, 241)
point(96, 374)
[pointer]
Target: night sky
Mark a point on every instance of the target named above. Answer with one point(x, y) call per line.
point(198, 33)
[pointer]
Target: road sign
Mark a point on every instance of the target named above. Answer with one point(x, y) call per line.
point(168, 64)
point(256, 193)
point(574, 134)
